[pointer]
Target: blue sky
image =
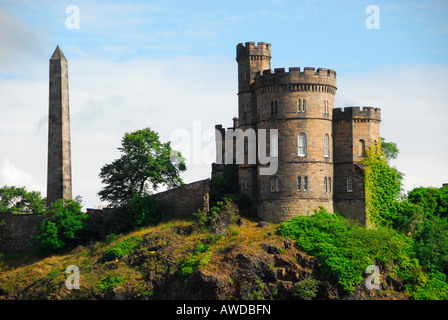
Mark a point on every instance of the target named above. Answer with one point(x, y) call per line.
point(170, 65)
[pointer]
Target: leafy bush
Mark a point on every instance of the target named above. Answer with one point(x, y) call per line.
point(122, 249)
point(194, 262)
point(109, 283)
point(434, 287)
point(65, 225)
point(346, 248)
point(306, 289)
point(218, 218)
point(431, 244)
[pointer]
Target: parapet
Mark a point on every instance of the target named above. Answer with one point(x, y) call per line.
point(309, 76)
point(250, 49)
point(352, 113)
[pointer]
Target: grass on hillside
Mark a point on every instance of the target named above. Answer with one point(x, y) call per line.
point(28, 276)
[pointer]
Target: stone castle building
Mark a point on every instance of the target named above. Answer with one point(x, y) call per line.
point(318, 147)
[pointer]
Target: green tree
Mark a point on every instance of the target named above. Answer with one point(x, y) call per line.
point(145, 163)
point(65, 224)
point(433, 200)
point(390, 149)
point(18, 199)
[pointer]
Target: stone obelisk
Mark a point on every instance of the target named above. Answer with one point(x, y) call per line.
point(59, 174)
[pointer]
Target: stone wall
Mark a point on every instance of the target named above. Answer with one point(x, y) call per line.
point(16, 233)
point(185, 200)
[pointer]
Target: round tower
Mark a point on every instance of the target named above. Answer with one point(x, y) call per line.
point(299, 105)
point(251, 60)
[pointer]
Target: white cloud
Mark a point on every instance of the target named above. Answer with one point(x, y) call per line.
point(10, 174)
point(414, 115)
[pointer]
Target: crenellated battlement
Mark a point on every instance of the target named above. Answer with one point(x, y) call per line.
point(295, 76)
point(354, 113)
point(262, 49)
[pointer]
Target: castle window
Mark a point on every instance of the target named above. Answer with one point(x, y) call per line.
point(299, 183)
point(362, 148)
point(246, 184)
point(325, 184)
point(299, 105)
point(302, 145)
point(326, 146)
point(329, 184)
point(304, 105)
point(274, 107)
point(305, 183)
point(275, 184)
point(349, 184)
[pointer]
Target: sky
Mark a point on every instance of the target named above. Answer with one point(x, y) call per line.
point(170, 66)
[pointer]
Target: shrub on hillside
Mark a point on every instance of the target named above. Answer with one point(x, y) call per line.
point(346, 248)
point(65, 225)
point(218, 218)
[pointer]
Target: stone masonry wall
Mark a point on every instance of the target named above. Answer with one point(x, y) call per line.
point(186, 199)
point(16, 233)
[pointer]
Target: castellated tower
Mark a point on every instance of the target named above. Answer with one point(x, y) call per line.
point(252, 59)
point(318, 148)
point(59, 175)
point(354, 130)
point(299, 104)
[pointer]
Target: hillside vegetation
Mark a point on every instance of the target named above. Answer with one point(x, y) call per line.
point(139, 253)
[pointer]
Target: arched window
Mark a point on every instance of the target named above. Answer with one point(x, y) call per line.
point(362, 148)
point(349, 184)
point(299, 105)
point(275, 184)
point(302, 145)
point(326, 146)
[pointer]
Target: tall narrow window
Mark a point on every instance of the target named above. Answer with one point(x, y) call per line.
point(325, 184)
point(326, 146)
point(299, 105)
point(274, 144)
point(246, 184)
point(305, 183)
point(299, 183)
point(302, 145)
point(304, 105)
point(329, 184)
point(349, 184)
point(275, 107)
point(362, 148)
point(275, 184)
